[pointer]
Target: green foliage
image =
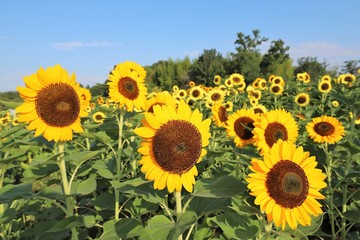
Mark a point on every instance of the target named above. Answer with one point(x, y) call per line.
point(310, 65)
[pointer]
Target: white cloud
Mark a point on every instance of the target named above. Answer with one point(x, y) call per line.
point(76, 44)
point(332, 52)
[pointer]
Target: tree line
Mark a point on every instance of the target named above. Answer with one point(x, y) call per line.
point(246, 59)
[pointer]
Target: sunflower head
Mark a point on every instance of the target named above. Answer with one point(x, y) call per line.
point(126, 85)
point(302, 99)
point(219, 114)
point(98, 117)
point(276, 89)
point(217, 80)
point(324, 86)
point(325, 129)
point(286, 184)
point(272, 126)
point(173, 142)
point(161, 98)
point(240, 125)
point(53, 105)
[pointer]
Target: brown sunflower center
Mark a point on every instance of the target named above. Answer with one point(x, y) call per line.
point(58, 105)
point(301, 100)
point(243, 128)
point(151, 108)
point(128, 87)
point(325, 86)
point(275, 131)
point(324, 128)
point(236, 80)
point(287, 184)
point(223, 116)
point(215, 96)
point(275, 89)
point(196, 93)
point(258, 110)
point(177, 146)
point(99, 117)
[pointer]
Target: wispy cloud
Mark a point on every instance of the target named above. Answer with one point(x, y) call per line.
point(324, 50)
point(68, 46)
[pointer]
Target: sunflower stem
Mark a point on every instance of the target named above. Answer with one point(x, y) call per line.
point(66, 187)
point(330, 190)
point(118, 162)
point(344, 199)
point(177, 196)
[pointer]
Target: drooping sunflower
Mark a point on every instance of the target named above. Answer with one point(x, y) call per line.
point(276, 89)
point(272, 126)
point(161, 98)
point(53, 104)
point(286, 184)
point(126, 85)
point(325, 129)
point(219, 114)
point(302, 99)
point(324, 86)
point(240, 125)
point(173, 142)
point(98, 117)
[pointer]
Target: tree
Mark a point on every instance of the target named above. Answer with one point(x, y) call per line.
point(310, 65)
point(276, 55)
point(209, 64)
point(350, 66)
point(246, 60)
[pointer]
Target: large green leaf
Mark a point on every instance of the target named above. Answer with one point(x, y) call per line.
point(124, 228)
point(158, 227)
point(224, 186)
point(70, 222)
point(10, 192)
point(236, 226)
point(87, 186)
point(202, 206)
point(79, 157)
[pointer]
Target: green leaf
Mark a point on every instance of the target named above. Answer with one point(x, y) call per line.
point(139, 187)
point(203, 206)
point(8, 215)
point(5, 133)
point(87, 186)
point(101, 136)
point(10, 192)
point(73, 221)
point(221, 187)
point(158, 227)
point(236, 226)
point(185, 220)
point(124, 228)
point(43, 158)
point(11, 105)
point(352, 215)
point(105, 173)
point(79, 157)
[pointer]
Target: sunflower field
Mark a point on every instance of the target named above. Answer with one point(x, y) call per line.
point(267, 159)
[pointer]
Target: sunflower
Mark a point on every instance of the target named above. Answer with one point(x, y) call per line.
point(286, 184)
point(262, 84)
point(326, 78)
point(324, 86)
point(240, 125)
point(335, 103)
point(229, 106)
point(272, 126)
point(175, 88)
point(98, 117)
point(278, 80)
point(215, 95)
point(192, 84)
point(258, 108)
point(347, 78)
point(219, 114)
point(182, 93)
point(305, 77)
point(302, 99)
point(254, 94)
point(196, 93)
point(325, 129)
point(276, 89)
point(173, 142)
point(53, 104)
point(217, 80)
point(237, 79)
point(161, 98)
point(126, 86)
point(228, 83)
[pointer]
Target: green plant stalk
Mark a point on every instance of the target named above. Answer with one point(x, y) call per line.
point(118, 162)
point(66, 187)
point(328, 169)
point(177, 196)
point(345, 199)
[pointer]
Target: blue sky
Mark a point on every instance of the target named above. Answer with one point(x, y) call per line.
point(90, 37)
